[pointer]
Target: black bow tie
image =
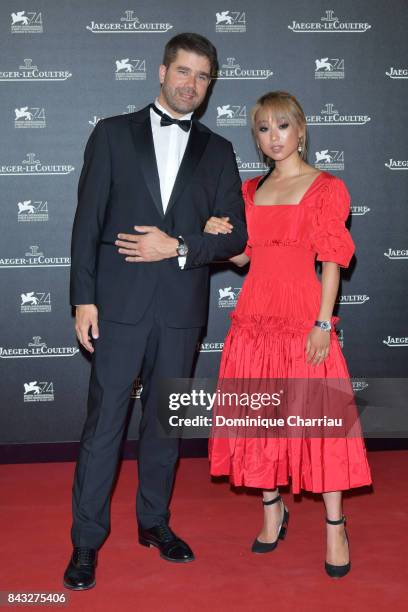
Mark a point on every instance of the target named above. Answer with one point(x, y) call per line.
point(184, 124)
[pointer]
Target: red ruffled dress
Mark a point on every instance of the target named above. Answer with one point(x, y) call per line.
point(277, 307)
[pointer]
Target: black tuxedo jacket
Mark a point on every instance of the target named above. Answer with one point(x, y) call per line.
point(119, 188)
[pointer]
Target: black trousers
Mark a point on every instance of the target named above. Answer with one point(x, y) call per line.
point(123, 352)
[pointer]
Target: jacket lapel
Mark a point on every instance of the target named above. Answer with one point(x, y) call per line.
point(195, 148)
point(143, 142)
point(144, 146)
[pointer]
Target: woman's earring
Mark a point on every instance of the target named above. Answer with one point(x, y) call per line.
point(300, 147)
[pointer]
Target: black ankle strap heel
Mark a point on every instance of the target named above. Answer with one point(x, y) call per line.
point(338, 522)
point(271, 501)
point(337, 571)
point(264, 547)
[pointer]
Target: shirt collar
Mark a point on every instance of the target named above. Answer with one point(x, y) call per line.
point(164, 110)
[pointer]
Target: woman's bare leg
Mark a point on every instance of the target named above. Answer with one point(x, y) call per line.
point(273, 516)
point(337, 552)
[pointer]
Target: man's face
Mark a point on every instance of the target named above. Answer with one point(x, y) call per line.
point(185, 82)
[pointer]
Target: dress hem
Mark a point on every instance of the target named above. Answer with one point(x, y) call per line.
point(254, 484)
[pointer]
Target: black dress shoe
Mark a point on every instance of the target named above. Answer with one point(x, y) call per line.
point(80, 573)
point(170, 546)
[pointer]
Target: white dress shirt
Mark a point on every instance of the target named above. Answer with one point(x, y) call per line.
point(170, 143)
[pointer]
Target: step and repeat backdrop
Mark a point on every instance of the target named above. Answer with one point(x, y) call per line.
point(65, 65)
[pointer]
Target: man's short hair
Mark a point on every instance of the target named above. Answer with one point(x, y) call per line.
point(189, 41)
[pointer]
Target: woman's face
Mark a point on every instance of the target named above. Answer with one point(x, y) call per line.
point(277, 135)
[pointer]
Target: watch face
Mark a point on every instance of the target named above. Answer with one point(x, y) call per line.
point(182, 250)
point(325, 325)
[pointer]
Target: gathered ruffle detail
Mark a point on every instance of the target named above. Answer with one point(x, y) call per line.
point(262, 347)
point(260, 323)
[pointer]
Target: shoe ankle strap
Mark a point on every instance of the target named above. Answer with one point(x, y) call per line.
point(338, 522)
point(271, 501)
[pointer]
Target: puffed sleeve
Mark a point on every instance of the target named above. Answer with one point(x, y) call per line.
point(245, 184)
point(331, 239)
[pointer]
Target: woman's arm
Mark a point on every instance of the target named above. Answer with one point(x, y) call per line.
point(330, 288)
point(318, 340)
point(240, 260)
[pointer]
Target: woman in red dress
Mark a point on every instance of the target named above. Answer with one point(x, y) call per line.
point(283, 326)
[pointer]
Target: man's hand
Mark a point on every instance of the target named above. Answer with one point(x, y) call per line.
point(86, 316)
point(153, 245)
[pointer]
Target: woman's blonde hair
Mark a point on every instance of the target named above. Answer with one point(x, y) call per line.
point(285, 104)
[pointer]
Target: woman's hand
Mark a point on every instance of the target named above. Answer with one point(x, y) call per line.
point(239, 260)
point(317, 346)
point(218, 225)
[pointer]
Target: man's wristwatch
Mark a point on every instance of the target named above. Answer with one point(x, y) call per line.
point(324, 325)
point(182, 251)
point(182, 248)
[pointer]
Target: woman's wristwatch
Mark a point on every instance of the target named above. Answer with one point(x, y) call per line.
point(324, 325)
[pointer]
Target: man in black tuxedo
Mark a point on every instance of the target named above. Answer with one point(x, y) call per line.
point(140, 284)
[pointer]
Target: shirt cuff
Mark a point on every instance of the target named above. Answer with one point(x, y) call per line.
point(182, 262)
